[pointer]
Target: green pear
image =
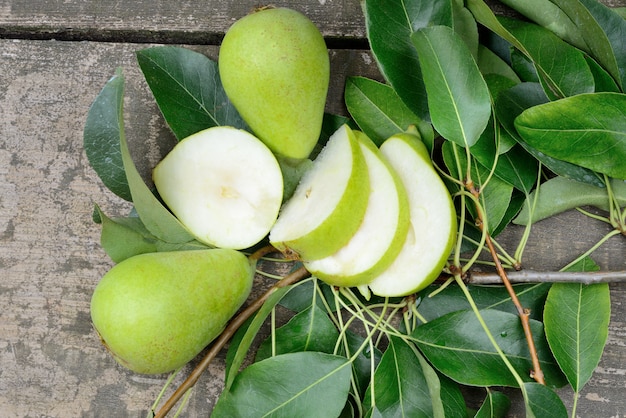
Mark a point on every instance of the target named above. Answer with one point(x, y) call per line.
point(155, 312)
point(328, 204)
point(224, 185)
point(433, 226)
point(380, 236)
point(274, 67)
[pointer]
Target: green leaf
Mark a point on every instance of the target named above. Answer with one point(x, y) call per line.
point(154, 215)
point(543, 402)
point(587, 130)
point(491, 63)
point(309, 330)
point(576, 319)
point(458, 97)
point(614, 26)
point(389, 27)
point(379, 111)
point(101, 136)
point(123, 238)
point(289, 385)
point(187, 89)
point(403, 386)
point(452, 398)
point(584, 264)
point(243, 338)
point(562, 68)
point(560, 194)
point(457, 345)
point(602, 79)
point(465, 26)
point(486, 17)
point(511, 104)
point(452, 298)
point(496, 405)
point(596, 42)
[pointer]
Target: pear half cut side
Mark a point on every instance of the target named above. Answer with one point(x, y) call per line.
point(433, 225)
point(380, 237)
point(224, 185)
point(328, 204)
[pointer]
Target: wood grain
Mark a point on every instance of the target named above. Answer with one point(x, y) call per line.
point(51, 362)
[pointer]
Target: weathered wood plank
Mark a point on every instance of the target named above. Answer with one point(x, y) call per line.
point(189, 21)
point(195, 21)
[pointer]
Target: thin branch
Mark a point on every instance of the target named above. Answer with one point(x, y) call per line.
point(225, 336)
point(531, 276)
point(524, 314)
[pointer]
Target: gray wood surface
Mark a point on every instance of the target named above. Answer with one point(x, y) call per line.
point(51, 362)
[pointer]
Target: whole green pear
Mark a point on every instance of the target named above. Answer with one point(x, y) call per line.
point(155, 312)
point(274, 67)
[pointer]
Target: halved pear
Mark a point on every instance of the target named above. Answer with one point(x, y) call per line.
point(433, 224)
point(329, 203)
point(224, 185)
point(381, 235)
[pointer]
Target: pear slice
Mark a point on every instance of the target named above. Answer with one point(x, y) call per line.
point(328, 204)
point(433, 228)
point(381, 235)
point(224, 185)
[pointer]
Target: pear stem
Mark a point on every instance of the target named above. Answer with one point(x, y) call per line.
point(261, 252)
point(225, 336)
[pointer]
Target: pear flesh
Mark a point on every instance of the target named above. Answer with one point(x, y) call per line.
point(380, 236)
point(155, 312)
point(433, 226)
point(275, 69)
point(224, 185)
point(328, 204)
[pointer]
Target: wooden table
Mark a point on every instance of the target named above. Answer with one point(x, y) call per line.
point(54, 58)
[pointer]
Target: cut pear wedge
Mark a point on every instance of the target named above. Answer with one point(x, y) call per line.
point(433, 225)
point(380, 236)
point(328, 204)
point(224, 185)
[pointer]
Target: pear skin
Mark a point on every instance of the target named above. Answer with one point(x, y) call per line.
point(155, 312)
point(275, 69)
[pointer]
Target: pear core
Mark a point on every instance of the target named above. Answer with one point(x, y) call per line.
point(155, 312)
point(224, 185)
